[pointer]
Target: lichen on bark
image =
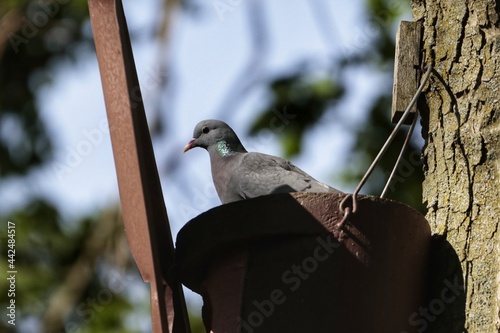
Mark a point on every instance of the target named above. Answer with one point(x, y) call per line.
point(461, 126)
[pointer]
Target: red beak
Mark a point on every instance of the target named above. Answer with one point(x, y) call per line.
point(191, 144)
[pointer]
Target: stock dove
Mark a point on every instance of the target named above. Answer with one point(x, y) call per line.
point(239, 175)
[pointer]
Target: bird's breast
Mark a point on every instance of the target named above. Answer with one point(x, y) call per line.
point(222, 172)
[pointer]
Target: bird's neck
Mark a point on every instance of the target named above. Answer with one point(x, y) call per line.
point(227, 149)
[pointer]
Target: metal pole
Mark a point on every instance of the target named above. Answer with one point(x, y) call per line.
point(144, 211)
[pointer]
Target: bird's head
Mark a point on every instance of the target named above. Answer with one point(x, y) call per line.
point(215, 134)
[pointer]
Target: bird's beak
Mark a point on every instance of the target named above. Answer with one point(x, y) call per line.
point(191, 144)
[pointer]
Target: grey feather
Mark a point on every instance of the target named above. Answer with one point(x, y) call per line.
point(238, 174)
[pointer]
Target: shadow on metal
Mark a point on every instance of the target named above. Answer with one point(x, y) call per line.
point(282, 263)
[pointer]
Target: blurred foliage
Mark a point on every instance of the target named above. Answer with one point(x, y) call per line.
point(44, 255)
point(41, 268)
point(306, 101)
point(298, 104)
point(34, 34)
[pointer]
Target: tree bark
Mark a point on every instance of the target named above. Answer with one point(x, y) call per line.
point(461, 126)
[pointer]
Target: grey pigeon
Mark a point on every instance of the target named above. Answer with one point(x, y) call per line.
point(238, 174)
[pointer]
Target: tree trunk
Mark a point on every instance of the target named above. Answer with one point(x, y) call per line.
point(461, 126)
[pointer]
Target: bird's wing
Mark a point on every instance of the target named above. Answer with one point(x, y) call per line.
point(260, 174)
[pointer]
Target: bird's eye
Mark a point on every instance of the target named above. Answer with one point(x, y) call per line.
point(205, 129)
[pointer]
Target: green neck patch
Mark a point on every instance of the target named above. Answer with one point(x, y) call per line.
point(223, 149)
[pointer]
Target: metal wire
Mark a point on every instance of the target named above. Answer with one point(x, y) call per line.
point(403, 149)
point(385, 147)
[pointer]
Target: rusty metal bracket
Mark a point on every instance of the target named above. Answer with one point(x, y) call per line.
point(144, 211)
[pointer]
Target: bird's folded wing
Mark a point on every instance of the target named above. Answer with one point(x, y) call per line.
point(261, 174)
